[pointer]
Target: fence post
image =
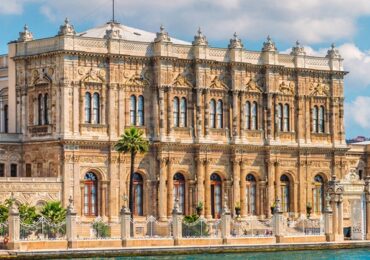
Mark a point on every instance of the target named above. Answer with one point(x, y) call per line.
point(176, 223)
point(225, 222)
point(125, 225)
point(328, 220)
point(278, 221)
point(14, 227)
point(71, 224)
point(335, 190)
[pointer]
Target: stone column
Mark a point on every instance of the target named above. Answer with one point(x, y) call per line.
point(199, 114)
point(71, 224)
point(161, 113)
point(335, 189)
point(177, 223)
point(243, 203)
point(225, 222)
point(277, 180)
point(270, 185)
point(200, 182)
point(162, 194)
point(206, 112)
point(207, 183)
point(170, 194)
point(14, 227)
point(125, 225)
point(235, 114)
point(169, 113)
point(242, 115)
point(236, 182)
point(328, 220)
point(279, 229)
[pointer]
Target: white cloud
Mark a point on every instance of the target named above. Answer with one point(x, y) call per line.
point(11, 7)
point(358, 112)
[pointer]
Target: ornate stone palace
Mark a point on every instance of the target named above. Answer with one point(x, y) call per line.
point(249, 126)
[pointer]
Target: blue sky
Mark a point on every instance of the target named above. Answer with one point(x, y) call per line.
point(316, 23)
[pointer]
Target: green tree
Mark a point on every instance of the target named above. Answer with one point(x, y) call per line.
point(133, 142)
point(53, 212)
point(4, 213)
point(28, 214)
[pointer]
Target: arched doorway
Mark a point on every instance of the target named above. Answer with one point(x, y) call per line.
point(179, 191)
point(90, 194)
point(285, 193)
point(318, 194)
point(250, 192)
point(138, 194)
point(216, 195)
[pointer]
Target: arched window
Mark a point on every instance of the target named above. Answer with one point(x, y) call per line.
point(133, 110)
point(216, 195)
point(250, 193)
point(286, 118)
point(321, 120)
point(318, 194)
point(40, 108)
point(90, 195)
point(46, 109)
point(6, 118)
point(96, 108)
point(315, 112)
point(220, 114)
point(212, 113)
point(254, 116)
point(279, 117)
point(176, 112)
point(248, 115)
point(138, 194)
point(140, 110)
point(87, 107)
point(183, 112)
point(285, 193)
point(179, 191)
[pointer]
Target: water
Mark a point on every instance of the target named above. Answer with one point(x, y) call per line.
point(340, 254)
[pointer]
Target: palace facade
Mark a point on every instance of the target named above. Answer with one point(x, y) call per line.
point(225, 125)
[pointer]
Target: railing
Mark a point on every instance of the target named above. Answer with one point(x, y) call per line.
point(201, 228)
point(303, 227)
point(252, 228)
point(98, 229)
point(42, 229)
point(4, 230)
point(152, 228)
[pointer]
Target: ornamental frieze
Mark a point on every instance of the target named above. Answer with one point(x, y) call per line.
point(319, 89)
point(287, 88)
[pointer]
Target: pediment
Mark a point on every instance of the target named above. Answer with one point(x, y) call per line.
point(252, 86)
point(218, 84)
point(181, 81)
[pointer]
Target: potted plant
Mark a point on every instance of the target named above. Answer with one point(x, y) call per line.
point(273, 208)
point(199, 208)
point(308, 210)
point(237, 209)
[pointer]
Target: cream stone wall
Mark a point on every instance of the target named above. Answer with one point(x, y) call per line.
point(64, 150)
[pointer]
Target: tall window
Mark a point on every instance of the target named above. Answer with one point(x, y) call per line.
point(13, 170)
point(179, 191)
point(140, 111)
point(285, 193)
point(90, 194)
point(6, 118)
point(2, 170)
point(28, 170)
point(87, 107)
point(315, 112)
point(216, 195)
point(318, 194)
point(251, 194)
point(220, 116)
point(96, 108)
point(46, 114)
point(40, 108)
point(212, 113)
point(254, 116)
point(279, 117)
point(138, 194)
point(183, 112)
point(133, 110)
point(321, 127)
point(176, 121)
point(248, 115)
point(286, 118)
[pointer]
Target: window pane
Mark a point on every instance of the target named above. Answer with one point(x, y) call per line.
point(219, 114)
point(46, 116)
point(133, 110)
point(217, 200)
point(6, 118)
point(321, 120)
point(141, 111)
point(286, 117)
point(247, 115)
point(96, 108)
point(87, 108)
point(212, 118)
point(254, 116)
point(40, 109)
point(279, 119)
point(183, 111)
point(314, 119)
point(176, 112)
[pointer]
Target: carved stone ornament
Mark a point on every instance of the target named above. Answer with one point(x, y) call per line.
point(200, 39)
point(162, 36)
point(333, 53)
point(181, 81)
point(319, 89)
point(137, 80)
point(352, 176)
point(287, 88)
point(269, 45)
point(66, 28)
point(235, 43)
point(217, 83)
point(298, 49)
point(252, 86)
point(26, 35)
point(112, 33)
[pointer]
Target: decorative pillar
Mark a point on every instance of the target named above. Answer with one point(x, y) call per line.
point(125, 225)
point(207, 183)
point(177, 223)
point(277, 180)
point(235, 114)
point(169, 113)
point(14, 227)
point(162, 195)
point(328, 220)
point(161, 112)
point(170, 194)
point(225, 222)
point(279, 229)
point(199, 114)
point(335, 190)
point(243, 203)
point(206, 112)
point(270, 182)
point(242, 115)
point(200, 183)
point(71, 224)
point(236, 182)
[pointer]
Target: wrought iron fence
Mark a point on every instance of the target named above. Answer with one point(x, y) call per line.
point(201, 228)
point(42, 229)
point(252, 227)
point(151, 227)
point(303, 227)
point(97, 229)
point(4, 230)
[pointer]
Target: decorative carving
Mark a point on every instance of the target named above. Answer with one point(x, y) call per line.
point(319, 89)
point(298, 49)
point(235, 43)
point(217, 83)
point(66, 28)
point(269, 45)
point(252, 86)
point(112, 33)
point(287, 88)
point(333, 53)
point(200, 39)
point(162, 36)
point(26, 35)
point(181, 81)
point(137, 80)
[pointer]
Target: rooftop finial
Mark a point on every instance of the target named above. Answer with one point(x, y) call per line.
point(200, 39)
point(162, 35)
point(235, 43)
point(269, 45)
point(333, 53)
point(26, 35)
point(298, 49)
point(66, 28)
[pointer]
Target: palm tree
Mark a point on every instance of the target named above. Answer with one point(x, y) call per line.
point(132, 141)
